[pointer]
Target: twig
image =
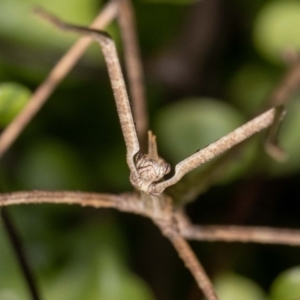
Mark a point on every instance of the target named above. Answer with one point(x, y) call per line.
point(287, 87)
point(191, 261)
point(21, 257)
point(117, 82)
point(280, 96)
point(128, 203)
point(163, 215)
point(193, 264)
point(242, 234)
point(233, 138)
point(65, 197)
point(62, 68)
point(271, 143)
point(134, 69)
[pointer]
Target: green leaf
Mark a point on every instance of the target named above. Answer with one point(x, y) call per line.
point(230, 286)
point(276, 29)
point(172, 2)
point(287, 285)
point(18, 22)
point(13, 97)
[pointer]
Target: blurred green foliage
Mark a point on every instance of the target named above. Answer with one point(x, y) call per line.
point(192, 124)
point(287, 285)
point(171, 2)
point(276, 29)
point(230, 286)
point(75, 143)
point(95, 269)
point(290, 141)
point(250, 86)
point(17, 17)
point(13, 97)
point(12, 285)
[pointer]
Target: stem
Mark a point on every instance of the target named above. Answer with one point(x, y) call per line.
point(134, 68)
point(261, 235)
point(63, 197)
point(21, 257)
point(193, 264)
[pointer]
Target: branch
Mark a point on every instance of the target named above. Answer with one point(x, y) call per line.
point(288, 86)
point(65, 197)
point(16, 243)
point(134, 69)
point(271, 144)
point(191, 261)
point(242, 234)
point(280, 96)
point(164, 217)
point(63, 67)
point(158, 211)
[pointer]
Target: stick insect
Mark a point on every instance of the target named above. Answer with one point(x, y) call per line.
point(148, 171)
